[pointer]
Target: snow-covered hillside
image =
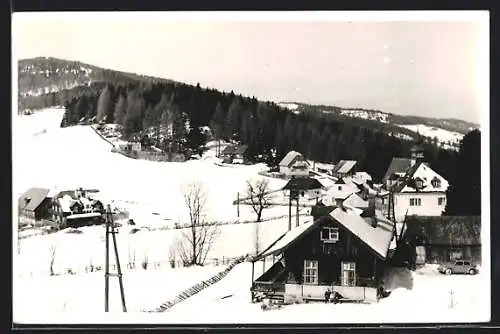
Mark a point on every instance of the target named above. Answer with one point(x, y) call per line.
point(447, 139)
point(46, 155)
point(293, 107)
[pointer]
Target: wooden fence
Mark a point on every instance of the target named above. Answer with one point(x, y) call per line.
point(189, 292)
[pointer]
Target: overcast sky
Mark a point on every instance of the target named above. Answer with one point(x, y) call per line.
point(418, 68)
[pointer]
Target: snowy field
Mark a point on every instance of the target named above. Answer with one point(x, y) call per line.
point(79, 251)
point(417, 297)
point(46, 155)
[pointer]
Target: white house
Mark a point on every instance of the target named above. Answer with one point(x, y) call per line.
point(294, 164)
point(422, 192)
point(417, 189)
point(340, 191)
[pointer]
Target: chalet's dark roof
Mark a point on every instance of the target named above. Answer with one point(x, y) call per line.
point(321, 210)
point(397, 165)
point(32, 198)
point(303, 183)
point(344, 166)
point(239, 149)
point(446, 230)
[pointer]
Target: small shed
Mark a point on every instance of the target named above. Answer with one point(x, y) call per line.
point(434, 239)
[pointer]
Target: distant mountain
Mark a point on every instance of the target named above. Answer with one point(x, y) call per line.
point(143, 104)
point(446, 132)
point(43, 75)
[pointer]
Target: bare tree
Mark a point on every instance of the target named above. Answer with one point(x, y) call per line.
point(52, 252)
point(259, 196)
point(196, 241)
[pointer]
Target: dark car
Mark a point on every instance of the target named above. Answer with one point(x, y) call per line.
point(458, 267)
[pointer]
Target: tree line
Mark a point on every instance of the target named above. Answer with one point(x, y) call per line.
point(149, 109)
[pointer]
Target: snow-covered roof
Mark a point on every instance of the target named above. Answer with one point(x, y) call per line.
point(377, 238)
point(289, 157)
point(84, 215)
point(355, 201)
point(421, 171)
point(286, 239)
point(32, 198)
point(344, 166)
point(65, 203)
point(345, 191)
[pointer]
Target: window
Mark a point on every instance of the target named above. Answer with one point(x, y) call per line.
point(329, 234)
point(436, 183)
point(415, 201)
point(310, 272)
point(441, 200)
point(339, 187)
point(419, 183)
point(348, 274)
point(466, 263)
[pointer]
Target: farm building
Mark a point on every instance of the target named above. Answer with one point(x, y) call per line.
point(76, 208)
point(294, 164)
point(345, 168)
point(342, 251)
point(442, 238)
point(234, 154)
point(33, 205)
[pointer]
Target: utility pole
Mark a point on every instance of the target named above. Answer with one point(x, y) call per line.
point(110, 229)
point(238, 205)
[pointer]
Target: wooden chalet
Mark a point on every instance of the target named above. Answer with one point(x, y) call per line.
point(342, 250)
point(234, 154)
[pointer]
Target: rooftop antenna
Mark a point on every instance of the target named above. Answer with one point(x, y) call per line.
point(110, 229)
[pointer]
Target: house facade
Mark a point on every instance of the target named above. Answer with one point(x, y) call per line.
point(294, 164)
point(341, 251)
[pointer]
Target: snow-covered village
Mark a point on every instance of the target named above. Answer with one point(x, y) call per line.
point(139, 199)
